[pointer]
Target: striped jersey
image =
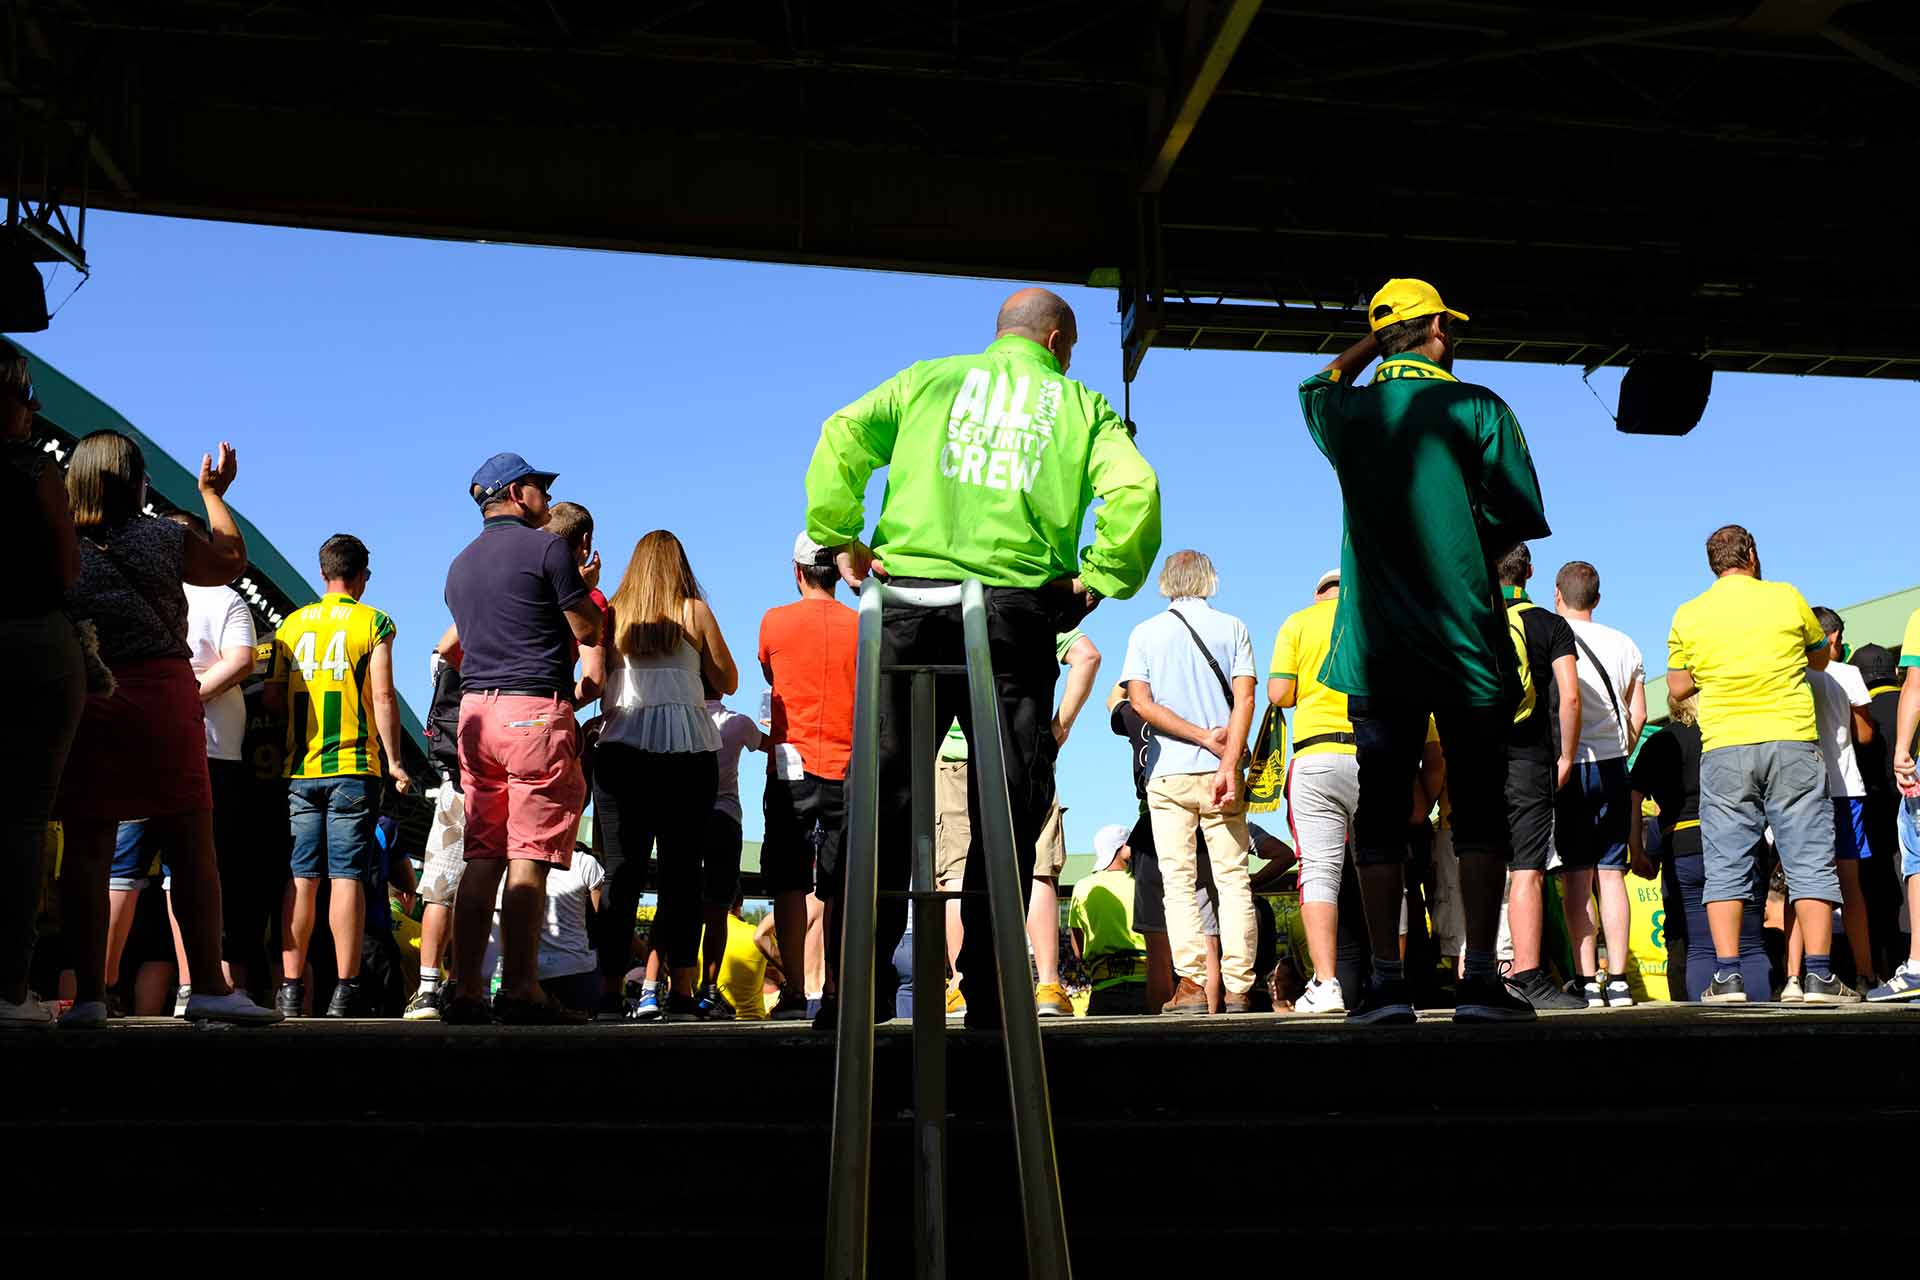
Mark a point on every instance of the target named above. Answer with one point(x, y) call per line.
point(324, 655)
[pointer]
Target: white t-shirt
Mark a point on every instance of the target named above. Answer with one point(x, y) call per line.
point(1162, 652)
point(1603, 735)
point(217, 618)
point(564, 947)
point(1836, 692)
point(737, 734)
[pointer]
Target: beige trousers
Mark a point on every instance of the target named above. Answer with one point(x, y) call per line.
point(1177, 805)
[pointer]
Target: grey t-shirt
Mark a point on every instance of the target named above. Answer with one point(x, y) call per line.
point(130, 586)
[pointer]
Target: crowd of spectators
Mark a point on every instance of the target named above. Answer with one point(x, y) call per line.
point(225, 801)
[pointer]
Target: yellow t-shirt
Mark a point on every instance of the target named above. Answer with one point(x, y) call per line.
point(1746, 643)
point(1298, 650)
point(743, 972)
point(324, 655)
point(1910, 644)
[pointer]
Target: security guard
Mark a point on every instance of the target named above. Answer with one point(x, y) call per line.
point(993, 460)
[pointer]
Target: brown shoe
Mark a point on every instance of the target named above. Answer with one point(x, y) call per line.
point(1231, 1003)
point(1188, 997)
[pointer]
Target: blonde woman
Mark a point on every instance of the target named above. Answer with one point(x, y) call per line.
point(141, 751)
point(656, 768)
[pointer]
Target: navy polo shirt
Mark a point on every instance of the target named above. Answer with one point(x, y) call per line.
point(508, 592)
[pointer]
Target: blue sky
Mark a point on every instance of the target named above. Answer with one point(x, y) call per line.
point(362, 379)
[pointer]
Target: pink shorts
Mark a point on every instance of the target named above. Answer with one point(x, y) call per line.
point(520, 769)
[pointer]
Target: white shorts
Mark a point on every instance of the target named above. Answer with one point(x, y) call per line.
point(446, 849)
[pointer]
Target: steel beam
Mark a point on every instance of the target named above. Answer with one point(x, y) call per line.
point(1208, 66)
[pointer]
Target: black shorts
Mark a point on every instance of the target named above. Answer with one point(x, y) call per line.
point(806, 829)
point(1530, 812)
point(720, 875)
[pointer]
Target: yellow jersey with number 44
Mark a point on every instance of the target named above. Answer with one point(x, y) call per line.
point(323, 653)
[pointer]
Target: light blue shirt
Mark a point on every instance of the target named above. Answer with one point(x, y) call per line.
point(1161, 652)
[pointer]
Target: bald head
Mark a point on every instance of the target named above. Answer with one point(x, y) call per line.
point(1041, 316)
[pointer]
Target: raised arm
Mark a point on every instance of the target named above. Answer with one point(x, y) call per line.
point(221, 556)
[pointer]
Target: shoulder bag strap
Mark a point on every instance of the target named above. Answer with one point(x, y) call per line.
point(1226, 686)
point(1606, 682)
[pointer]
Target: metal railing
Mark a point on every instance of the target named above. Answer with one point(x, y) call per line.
point(848, 1190)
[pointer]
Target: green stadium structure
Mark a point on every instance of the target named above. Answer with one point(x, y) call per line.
point(271, 586)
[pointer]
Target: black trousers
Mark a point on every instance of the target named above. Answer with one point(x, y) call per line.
point(1021, 626)
point(640, 797)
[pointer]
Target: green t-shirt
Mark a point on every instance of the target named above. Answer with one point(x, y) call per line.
point(992, 460)
point(1438, 484)
point(1102, 910)
point(954, 747)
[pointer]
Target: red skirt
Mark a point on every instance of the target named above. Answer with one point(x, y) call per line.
point(141, 752)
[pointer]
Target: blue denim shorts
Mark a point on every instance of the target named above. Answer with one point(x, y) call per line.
point(1590, 816)
point(333, 823)
point(137, 858)
point(1744, 790)
point(1909, 836)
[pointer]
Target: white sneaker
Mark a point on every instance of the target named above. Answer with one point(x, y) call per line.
point(236, 1006)
point(182, 995)
point(29, 1015)
point(1321, 996)
point(1791, 993)
point(85, 1015)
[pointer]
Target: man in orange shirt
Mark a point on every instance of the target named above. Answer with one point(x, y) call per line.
point(807, 653)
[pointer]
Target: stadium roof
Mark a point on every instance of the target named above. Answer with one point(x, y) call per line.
point(1589, 181)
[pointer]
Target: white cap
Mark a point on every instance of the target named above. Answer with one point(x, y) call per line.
point(1107, 842)
point(1327, 579)
point(807, 551)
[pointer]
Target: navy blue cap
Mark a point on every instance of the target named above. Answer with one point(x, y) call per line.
point(501, 470)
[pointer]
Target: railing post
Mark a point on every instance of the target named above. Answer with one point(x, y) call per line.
point(1026, 1069)
point(929, 997)
point(848, 1175)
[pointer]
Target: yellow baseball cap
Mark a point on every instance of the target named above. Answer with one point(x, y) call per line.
point(1406, 300)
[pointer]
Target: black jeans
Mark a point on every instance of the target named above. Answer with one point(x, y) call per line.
point(1021, 626)
point(1389, 734)
point(640, 797)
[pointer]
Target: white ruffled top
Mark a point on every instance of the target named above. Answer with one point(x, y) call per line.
point(656, 703)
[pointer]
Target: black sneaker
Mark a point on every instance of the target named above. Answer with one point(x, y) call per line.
point(678, 1008)
point(1828, 990)
point(1534, 988)
point(828, 1018)
point(791, 1008)
point(1726, 988)
point(289, 999)
point(711, 1006)
point(346, 999)
point(1383, 1004)
point(1488, 999)
point(465, 1011)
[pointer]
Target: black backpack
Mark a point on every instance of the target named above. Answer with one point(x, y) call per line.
point(443, 723)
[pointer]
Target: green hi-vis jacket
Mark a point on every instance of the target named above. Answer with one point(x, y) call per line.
point(993, 460)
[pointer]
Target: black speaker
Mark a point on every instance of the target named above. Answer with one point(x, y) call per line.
point(23, 298)
point(1664, 394)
